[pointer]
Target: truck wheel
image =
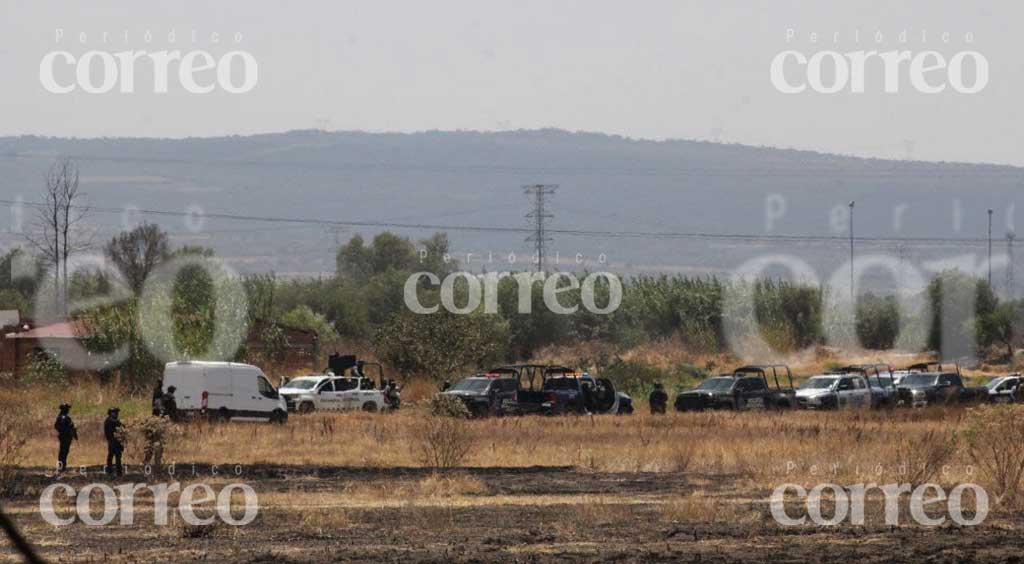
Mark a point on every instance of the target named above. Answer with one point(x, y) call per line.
point(369, 407)
point(306, 407)
point(223, 415)
point(279, 417)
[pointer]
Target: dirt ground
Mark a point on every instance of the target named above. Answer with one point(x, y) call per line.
point(531, 514)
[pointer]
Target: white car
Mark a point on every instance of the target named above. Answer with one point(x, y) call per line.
point(224, 390)
point(337, 393)
point(834, 391)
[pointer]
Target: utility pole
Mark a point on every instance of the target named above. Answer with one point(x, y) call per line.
point(990, 249)
point(538, 216)
point(899, 254)
point(853, 297)
point(1010, 290)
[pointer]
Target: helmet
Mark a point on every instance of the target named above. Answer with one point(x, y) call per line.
point(113, 410)
point(172, 389)
point(65, 406)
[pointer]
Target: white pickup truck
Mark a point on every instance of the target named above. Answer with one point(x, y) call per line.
point(306, 394)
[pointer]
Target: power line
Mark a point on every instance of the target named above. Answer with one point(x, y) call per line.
point(667, 235)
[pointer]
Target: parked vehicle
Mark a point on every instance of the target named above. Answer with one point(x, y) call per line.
point(880, 379)
point(345, 386)
point(224, 390)
point(306, 394)
point(490, 393)
point(1005, 389)
point(562, 390)
point(935, 383)
point(835, 391)
point(748, 387)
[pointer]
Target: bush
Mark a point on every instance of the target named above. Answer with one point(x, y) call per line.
point(994, 445)
point(442, 442)
point(442, 405)
point(45, 369)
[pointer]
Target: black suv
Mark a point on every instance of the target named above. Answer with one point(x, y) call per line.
point(747, 388)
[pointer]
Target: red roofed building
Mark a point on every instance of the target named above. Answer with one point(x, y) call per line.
point(64, 341)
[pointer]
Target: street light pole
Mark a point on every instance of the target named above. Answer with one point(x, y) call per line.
point(853, 297)
point(990, 249)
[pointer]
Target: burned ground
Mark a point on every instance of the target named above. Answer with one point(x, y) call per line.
point(522, 514)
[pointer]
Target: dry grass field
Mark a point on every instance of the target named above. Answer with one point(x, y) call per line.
point(640, 488)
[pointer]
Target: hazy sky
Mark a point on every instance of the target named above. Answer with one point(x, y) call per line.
point(651, 69)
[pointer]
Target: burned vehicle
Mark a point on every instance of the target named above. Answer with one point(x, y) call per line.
point(748, 387)
point(880, 381)
point(557, 390)
point(486, 394)
point(934, 383)
point(1005, 389)
point(834, 391)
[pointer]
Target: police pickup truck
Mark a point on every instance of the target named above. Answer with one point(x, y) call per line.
point(834, 391)
point(561, 390)
point(1005, 389)
point(748, 387)
point(490, 393)
point(345, 386)
point(935, 383)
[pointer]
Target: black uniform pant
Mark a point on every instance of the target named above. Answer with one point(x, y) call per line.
point(62, 453)
point(114, 451)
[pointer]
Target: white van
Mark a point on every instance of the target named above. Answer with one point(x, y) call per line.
point(224, 390)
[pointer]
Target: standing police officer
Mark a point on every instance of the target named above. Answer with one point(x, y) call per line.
point(112, 431)
point(66, 433)
point(658, 399)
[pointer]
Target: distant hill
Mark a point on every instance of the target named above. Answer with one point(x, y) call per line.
point(607, 183)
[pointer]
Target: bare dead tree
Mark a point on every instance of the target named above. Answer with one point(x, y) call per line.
point(58, 234)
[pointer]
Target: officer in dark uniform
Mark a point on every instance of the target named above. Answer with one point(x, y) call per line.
point(66, 433)
point(158, 394)
point(658, 399)
point(446, 386)
point(170, 405)
point(111, 430)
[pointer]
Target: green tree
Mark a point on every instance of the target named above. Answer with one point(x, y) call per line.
point(878, 321)
point(303, 317)
point(138, 252)
point(439, 345)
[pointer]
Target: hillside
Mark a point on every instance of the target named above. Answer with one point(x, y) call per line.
point(607, 184)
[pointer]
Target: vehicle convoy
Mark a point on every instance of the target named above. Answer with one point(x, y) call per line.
point(880, 380)
point(1005, 389)
point(834, 391)
point(490, 393)
point(556, 390)
point(935, 383)
point(223, 390)
point(345, 386)
point(748, 387)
